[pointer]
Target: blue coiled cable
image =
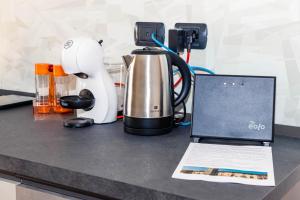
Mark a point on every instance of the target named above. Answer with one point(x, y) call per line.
point(192, 69)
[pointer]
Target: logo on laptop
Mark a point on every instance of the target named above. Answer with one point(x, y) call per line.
point(256, 126)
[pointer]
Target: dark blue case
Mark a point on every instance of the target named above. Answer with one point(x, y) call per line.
point(234, 107)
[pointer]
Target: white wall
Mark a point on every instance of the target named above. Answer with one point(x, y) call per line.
point(258, 37)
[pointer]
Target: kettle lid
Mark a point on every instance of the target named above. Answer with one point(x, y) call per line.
point(148, 51)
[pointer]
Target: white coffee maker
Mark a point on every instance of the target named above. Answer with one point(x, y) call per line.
point(96, 101)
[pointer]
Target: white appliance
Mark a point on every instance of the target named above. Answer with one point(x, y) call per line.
point(97, 98)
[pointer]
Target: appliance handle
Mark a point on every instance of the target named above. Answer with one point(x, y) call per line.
point(186, 77)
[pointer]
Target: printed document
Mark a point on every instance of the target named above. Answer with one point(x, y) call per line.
point(251, 165)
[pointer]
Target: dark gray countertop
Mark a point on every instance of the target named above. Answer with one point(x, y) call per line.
point(104, 161)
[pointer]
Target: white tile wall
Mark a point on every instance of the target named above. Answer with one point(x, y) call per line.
point(258, 37)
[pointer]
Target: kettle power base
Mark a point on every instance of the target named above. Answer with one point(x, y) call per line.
point(148, 126)
point(147, 132)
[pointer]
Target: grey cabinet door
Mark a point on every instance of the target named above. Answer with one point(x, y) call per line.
point(29, 193)
point(293, 193)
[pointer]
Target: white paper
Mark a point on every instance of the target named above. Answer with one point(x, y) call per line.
point(251, 165)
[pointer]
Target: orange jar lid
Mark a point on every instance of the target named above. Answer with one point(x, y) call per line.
point(58, 71)
point(42, 68)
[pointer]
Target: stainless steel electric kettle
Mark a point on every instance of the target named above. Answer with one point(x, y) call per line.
point(149, 100)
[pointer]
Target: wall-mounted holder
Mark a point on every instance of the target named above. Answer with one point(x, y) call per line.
point(188, 36)
point(144, 30)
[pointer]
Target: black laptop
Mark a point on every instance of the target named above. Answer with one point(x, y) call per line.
point(234, 107)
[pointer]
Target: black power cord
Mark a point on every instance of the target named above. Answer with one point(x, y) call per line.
point(190, 37)
point(178, 120)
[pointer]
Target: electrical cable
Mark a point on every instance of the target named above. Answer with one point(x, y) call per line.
point(161, 44)
point(188, 55)
point(167, 48)
point(192, 70)
point(177, 82)
point(170, 50)
point(198, 68)
point(184, 111)
point(182, 122)
point(188, 123)
point(117, 84)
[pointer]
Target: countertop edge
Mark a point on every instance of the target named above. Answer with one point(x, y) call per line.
point(69, 180)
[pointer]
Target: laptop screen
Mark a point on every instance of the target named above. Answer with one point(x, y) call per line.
point(233, 107)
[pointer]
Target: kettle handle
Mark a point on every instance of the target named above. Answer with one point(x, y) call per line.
point(186, 77)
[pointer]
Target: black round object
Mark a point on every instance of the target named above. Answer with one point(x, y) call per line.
point(78, 122)
point(85, 101)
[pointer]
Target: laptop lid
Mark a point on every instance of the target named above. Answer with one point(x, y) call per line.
point(234, 107)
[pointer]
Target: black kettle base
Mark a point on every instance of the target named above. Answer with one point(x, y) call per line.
point(147, 132)
point(148, 126)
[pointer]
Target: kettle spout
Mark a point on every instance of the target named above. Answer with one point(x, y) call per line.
point(127, 59)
